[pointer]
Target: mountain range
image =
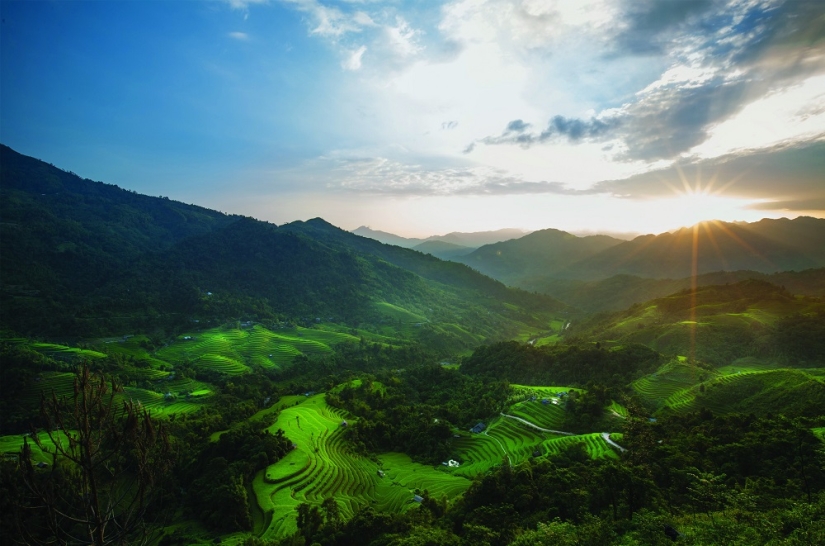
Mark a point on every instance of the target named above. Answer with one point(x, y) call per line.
point(84, 258)
point(449, 246)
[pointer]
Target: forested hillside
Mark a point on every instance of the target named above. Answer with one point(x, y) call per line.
point(218, 379)
point(84, 258)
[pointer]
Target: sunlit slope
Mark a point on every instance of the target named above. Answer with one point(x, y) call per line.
point(719, 324)
point(235, 350)
point(510, 441)
point(323, 465)
point(747, 385)
point(621, 291)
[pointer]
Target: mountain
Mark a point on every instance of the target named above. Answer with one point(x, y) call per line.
point(554, 262)
point(540, 253)
point(442, 249)
point(83, 258)
point(766, 246)
point(479, 238)
point(387, 238)
point(472, 240)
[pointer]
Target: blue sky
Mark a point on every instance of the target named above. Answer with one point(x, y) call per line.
point(427, 117)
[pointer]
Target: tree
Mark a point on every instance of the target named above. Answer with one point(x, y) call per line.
point(109, 460)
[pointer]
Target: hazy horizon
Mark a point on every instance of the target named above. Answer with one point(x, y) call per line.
point(593, 116)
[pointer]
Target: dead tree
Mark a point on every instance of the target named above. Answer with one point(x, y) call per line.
point(109, 460)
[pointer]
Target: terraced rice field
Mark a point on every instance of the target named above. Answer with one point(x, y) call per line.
point(62, 384)
point(62, 351)
point(10, 446)
point(478, 453)
point(233, 351)
point(322, 465)
point(159, 406)
point(548, 415)
point(757, 388)
point(671, 379)
point(595, 445)
point(617, 409)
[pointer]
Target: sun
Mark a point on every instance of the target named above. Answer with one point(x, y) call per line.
point(700, 200)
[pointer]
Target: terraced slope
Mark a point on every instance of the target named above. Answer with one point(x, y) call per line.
point(233, 351)
point(672, 378)
point(10, 446)
point(755, 391)
point(322, 465)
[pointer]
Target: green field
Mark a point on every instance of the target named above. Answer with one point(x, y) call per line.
point(672, 378)
point(10, 446)
point(510, 441)
point(322, 465)
point(234, 351)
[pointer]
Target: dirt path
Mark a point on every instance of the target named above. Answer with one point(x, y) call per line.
point(606, 436)
point(529, 424)
point(509, 460)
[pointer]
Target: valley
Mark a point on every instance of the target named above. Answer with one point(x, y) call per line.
point(299, 384)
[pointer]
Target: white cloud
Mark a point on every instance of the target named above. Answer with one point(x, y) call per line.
point(402, 39)
point(244, 4)
point(353, 60)
point(241, 36)
point(328, 21)
point(782, 116)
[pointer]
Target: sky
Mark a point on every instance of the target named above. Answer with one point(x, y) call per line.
point(423, 117)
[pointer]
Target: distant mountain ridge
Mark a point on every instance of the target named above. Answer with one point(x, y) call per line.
point(767, 246)
point(446, 247)
point(535, 254)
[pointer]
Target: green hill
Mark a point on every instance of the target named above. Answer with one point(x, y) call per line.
point(83, 258)
point(621, 291)
point(539, 253)
point(719, 324)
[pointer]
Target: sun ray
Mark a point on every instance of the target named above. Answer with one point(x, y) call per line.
point(712, 238)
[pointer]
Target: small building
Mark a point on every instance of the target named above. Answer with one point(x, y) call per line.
point(478, 428)
point(344, 423)
point(41, 464)
point(452, 463)
point(545, 401)
point(418, 498)
point(380, 473)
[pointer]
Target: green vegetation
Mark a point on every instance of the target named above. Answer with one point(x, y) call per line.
point(298, 384)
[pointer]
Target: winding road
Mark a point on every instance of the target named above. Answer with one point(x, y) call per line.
point(529, 424)
point(605, 435)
